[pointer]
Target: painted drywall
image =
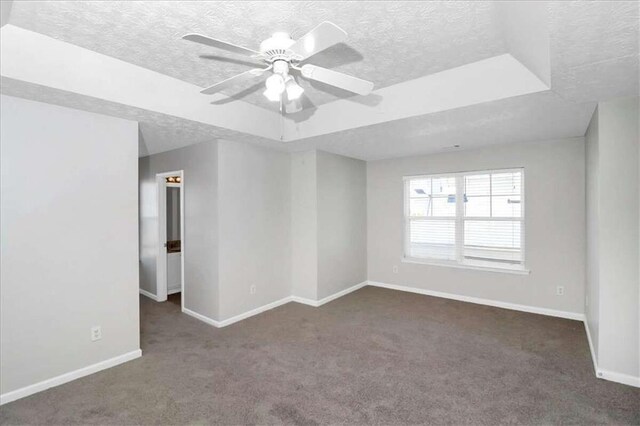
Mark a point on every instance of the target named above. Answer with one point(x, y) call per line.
point(526, 33)
point(254, 213)
point(69, 219)
point(592, 290)
point(554, 219)
point(618, 211)
point(304, 225)
point(341, 223)
point(200, 248)
point(5, 11)
point(96, 75)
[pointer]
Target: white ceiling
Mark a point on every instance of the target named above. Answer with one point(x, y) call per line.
point(158, 132)
point(592, 56)
point(388, 42)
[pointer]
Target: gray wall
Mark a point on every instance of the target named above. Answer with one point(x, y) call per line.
point(592, 296)
point(341, 223)
point(554, 220)
point(200, 249)
point(254, 226)
point(68, 223)
point(304, 225)
point(615, 238)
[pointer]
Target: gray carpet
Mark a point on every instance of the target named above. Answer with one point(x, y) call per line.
point(373, 356)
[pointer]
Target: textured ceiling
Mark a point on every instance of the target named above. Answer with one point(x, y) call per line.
point(584, 32)
point(594, 56)
point(594, 49)
point(541, 116)
point(388, 42)
point(159, 132)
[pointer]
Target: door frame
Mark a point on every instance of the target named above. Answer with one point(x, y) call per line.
point(161, 256)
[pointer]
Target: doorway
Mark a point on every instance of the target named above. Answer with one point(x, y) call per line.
point(170, 259)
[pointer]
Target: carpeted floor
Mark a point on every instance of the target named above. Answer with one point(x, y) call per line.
point(373, 356)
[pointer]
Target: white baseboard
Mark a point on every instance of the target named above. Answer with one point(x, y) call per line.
point(591, 347)
point(505, 305)
point(255, 311)
point(149, 295)
point(304, 301)
point(174, 290)
point(268, 306)
point(67, 377)
point(201, 317)
point(612, 376)
point(234, 319)
point(316, 303)
point(625, 379)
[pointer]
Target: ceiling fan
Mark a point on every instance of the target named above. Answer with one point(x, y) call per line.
point(282, 55)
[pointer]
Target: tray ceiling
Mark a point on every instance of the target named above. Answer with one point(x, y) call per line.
point(593, 54)
point(388, 42)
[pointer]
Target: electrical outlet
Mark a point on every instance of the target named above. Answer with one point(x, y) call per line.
point(560, 290)
point(96, 333)
point(252, 289)
point(395, 269)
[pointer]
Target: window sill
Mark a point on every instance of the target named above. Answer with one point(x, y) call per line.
point(459, 266)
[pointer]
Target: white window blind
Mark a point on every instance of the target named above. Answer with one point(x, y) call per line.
point(482, 227)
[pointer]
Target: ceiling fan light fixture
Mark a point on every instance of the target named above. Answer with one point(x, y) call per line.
point(271, 95)
point(294, 91)
point(275, 84)
point(275, 87)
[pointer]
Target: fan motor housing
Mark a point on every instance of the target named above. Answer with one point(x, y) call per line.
point(277, 48)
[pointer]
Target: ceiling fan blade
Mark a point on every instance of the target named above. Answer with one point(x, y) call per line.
point(198, 38)
point(324, 35)
point(337, 79)
point(245, 76)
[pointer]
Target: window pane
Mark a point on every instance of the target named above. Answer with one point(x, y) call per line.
point(444, 185)
point(419, 188)
point(506, 206)
point(419, 206)
point(506, 183)
point(434, 239)
point(432, 197)
point(444, 206)
point(492, 257)
point(485, 233)
point(492, 241)
point(477, 184)
point(493, 195)
point(477, 206)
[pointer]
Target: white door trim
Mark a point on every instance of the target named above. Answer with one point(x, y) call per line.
point(161, 257)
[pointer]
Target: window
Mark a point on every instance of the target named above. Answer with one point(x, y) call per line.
point(483, 227)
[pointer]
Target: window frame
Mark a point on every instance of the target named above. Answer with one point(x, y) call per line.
point(460, 219)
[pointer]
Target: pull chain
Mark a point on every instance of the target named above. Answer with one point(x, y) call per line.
point(281, 121)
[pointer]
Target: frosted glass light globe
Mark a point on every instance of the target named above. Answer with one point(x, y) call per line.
point(275, 84)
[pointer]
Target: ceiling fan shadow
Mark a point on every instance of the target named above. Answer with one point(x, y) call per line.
point(308, 109)
point(232, 60)
point(238, 96)
point(336, 55)
point(372, 99)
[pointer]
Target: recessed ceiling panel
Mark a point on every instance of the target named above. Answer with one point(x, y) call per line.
point(535, 117)
point(158, 132)
point(388, 42)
